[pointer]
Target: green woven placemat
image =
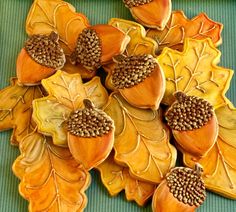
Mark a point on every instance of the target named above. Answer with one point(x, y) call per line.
point(12, 35)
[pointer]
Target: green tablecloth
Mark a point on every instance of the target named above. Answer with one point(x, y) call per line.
point(12, 35)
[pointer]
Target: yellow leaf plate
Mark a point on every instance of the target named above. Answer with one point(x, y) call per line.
point(51, 180)
point(219, 164)
point(180, 27)
point(116, 178)
point(195, 72)
point(141, 140)
point(16, 109)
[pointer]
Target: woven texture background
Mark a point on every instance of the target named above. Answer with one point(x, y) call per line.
point(12, 35)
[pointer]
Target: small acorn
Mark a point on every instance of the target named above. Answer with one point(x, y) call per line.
point(194, 124)
point(40, 58)
point(90, 135)
point(96, 46)
point(150, 13)
point(182, 190)
point(140, 80)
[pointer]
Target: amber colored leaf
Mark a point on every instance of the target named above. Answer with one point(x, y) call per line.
point(70, 91)
point(59, 16)
point(141, 140)
point(117, 178)
point(180, 27)
point(66, 93)
point(195, 72)
point(78, 68)
point(220, 163)
point(16, 109)
point(51, 180)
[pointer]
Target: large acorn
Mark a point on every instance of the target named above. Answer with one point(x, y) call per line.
point(90, 135)
point(140, 80)
point(193, 123)
point(97, 45)
point(150, 13)
point(40, 58)
point(182, 190)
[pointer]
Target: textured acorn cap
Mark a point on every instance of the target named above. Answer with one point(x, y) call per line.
point(46, 50)
point(132, 70)
point(88, 49)
point(89, 122)
point(188, 112)
point(135, 3)
point(187, 185)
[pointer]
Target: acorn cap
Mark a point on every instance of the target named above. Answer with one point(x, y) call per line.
point(188, 112)
point(89, 122)
point(88, 49)
point(135, 3)
point(187, 185)
point(132, 70)
point(46, 50)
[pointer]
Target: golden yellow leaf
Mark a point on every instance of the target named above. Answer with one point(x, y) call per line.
point(116, 178)
point(59, 16)
point(180, 27)
point(16, 109)
point(139, 43)
point(141, 140)
point(220, 163)
point(66, 93)
point(51, 180)
point(195, 72)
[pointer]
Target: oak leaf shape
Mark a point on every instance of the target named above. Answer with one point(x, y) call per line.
point(195, 72)
point(59, 16)
point(16, 109)
point(66, 93)
point(51, 180)
point(180, 27)
point(141, 140)
point(219, 164)
point(117, 178)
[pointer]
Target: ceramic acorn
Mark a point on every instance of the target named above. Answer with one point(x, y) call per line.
point(96, 46)
point(182, 190)
point(139, 44)
point(140, 80)
point(90, 135)
point(150, 13)
point(193, 123)
point(39, 59)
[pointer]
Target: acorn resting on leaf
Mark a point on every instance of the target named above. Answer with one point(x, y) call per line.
point(140, 80)
point(150, 13)
point(182, 190)
point(40, 58)
point(193, 123)
point(96, 46)
point(90, 135)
